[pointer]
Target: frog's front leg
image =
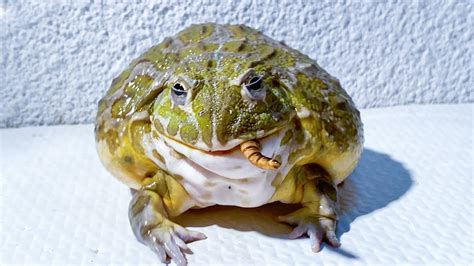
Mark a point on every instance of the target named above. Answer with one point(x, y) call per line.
point(148, 214)
point(317, 218)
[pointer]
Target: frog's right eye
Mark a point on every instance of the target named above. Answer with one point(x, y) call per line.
point(255, 83)
point(179, 94)
point(253, 87)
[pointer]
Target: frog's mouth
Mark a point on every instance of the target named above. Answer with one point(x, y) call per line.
point(263, 152)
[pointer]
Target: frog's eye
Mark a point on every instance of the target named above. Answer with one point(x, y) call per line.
point(255, 83)
point(253, 88)
point(179, 90)
point(179, 94)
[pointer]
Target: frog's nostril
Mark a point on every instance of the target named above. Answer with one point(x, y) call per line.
point(251, 150)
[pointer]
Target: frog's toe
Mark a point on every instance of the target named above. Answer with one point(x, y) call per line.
point(159, 250)
point(315, 235)
point(165, 245)
point(316, 229)
point(189, 235)
point(332, 239)
point(170, 242)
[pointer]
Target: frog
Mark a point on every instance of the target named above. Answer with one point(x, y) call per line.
point(223, 114)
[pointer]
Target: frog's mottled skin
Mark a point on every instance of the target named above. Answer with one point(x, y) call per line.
point(179, 156)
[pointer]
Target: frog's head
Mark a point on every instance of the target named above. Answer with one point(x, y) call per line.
point(214, 109)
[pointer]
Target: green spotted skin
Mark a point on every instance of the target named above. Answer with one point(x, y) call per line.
point(209, 59)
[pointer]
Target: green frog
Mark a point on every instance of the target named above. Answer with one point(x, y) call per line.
point(223, 114)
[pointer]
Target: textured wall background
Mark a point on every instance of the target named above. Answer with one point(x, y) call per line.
point(58, 58)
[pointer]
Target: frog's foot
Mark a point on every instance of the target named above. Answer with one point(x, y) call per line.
point(151, 226)
point(169, 240)
point(317, 227)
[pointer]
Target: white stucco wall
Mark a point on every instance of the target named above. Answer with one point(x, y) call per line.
point(58, 58)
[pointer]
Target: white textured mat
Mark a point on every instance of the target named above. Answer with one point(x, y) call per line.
point(409, 201)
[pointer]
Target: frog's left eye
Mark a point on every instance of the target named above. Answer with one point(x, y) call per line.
point(179, 94)
point(179, 90)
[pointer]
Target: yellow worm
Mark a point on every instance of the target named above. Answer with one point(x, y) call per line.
point(251, 150)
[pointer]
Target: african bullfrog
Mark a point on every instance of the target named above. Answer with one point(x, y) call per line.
point(223, 114)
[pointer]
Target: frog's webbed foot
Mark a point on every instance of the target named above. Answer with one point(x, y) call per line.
point(151, 227)
point(317, 227)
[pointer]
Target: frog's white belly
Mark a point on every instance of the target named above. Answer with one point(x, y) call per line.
point(223, 178)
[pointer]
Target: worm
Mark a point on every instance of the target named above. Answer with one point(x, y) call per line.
point(251, 150)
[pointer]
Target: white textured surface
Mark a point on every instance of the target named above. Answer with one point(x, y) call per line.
point(409, 201)
point(58, 58)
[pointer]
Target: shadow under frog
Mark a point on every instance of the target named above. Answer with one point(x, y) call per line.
point(377, 181)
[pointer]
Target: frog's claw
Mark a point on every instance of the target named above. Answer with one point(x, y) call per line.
point(317, 228)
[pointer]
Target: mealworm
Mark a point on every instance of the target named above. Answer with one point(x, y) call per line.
point(251, 150)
